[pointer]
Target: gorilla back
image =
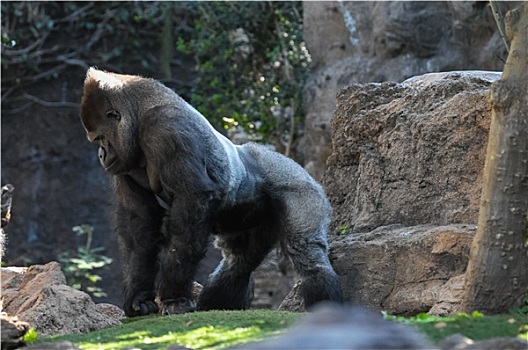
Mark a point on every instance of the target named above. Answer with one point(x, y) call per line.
point(177, 180)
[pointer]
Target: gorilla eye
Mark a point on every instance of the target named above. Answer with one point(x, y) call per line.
point(113, 115)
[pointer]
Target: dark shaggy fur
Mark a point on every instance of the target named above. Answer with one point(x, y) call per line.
point(177, 181)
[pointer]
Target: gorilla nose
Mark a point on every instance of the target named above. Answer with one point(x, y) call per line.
point(102, 153)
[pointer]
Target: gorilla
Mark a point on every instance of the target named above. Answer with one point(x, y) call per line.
point(176, 181)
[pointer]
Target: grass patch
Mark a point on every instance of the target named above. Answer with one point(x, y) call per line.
point(476, 326)
point(197, 330)
point(221, 329)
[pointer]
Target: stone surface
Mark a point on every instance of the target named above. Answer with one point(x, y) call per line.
point(449, 296)
point(12, 331)
point(402, 270)
point(362, 42)
point(293, 301)
point(409, 153)
point(39, 296)
point(273, 280)
point(110, 310)
point(404, 179)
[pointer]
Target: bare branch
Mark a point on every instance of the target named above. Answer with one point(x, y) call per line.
point(72, 17)
point(29, 48)
point(100, 30)
point(73, 61)
point(499, 20)
point(50, 104)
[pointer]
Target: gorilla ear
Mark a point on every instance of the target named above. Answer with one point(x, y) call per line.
point(113, 114)
point(103, 79)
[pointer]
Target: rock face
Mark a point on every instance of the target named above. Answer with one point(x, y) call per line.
point(362, 42)
point(404, 180)
point(39, 296)
point(402, 270)
point(409, 153)
point(13, 331)
point(273, 280)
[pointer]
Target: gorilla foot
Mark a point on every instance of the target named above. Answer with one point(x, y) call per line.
point(178, 306)
point(142, 304)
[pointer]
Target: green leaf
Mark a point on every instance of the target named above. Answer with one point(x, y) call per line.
point(477, 314)
point(31, 336)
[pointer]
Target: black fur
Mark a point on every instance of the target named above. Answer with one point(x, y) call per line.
point(177, 181)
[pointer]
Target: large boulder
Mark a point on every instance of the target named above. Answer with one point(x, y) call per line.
point(404, 180)
point(409, 153)
point(403, 270)
point(13, 331)
point(39, 296)
point(362, 42)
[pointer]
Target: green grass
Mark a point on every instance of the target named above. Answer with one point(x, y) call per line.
point(197, 330)
point(476, 326)
point(221, 329)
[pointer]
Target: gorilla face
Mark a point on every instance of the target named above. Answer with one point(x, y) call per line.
point(105, 124)
point(107, 155)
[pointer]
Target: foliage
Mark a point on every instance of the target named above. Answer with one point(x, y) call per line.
point(343, 230)
point(251, 67)
point(49, 40)
point(197, 330)
point(80, 269)
point(475, 326)
point(222, 329)
point(31, 336)
point(423, 317)
point(98, 32)
point(523, 310)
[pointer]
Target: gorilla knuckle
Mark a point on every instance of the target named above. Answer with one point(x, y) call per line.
point(178, 306)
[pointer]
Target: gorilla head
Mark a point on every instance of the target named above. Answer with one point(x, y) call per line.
point(176, 181)
point(102, 119)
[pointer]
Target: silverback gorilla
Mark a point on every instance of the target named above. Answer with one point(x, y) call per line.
point(176, 181)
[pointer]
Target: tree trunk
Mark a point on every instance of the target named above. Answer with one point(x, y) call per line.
point(167, 42)
point(497, 274)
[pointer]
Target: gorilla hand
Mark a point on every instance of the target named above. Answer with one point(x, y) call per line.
point(142, 303)
point(177, 306)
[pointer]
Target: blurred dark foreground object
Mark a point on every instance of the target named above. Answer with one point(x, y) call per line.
point(332, 326)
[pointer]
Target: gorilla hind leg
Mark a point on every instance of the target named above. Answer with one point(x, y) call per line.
point(226, 290)
point(230, 287)
point(306, 224)
point(319, 282)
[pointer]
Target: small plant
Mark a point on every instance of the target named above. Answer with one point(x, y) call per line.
point(423, 317)
point(523, 309)
point(250, 67)
point(343, 230)
point(80, 269)
point(31, 336)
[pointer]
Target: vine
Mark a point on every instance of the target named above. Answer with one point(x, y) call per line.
point(251, 68)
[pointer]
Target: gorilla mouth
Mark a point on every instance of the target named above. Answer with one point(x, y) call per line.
point(107, 167)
